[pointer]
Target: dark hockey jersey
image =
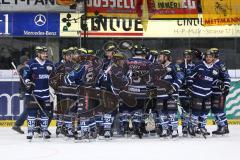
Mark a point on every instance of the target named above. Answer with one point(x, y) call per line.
point(174, 76)
point(104, 80)
point(38, 73)
point(202, 78)
point(186, 69)
point(223, 79)
point(138, 73)
point(76, 75)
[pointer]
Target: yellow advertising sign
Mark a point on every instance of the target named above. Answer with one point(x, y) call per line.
point(132, 28)
point(72, 25)
point(220, 12)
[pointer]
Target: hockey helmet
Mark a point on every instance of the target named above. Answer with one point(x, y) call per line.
point(188, 52)
point(138, 50)
point(165, 52)
point(215, 51)
point(119, 56)
point(38, 49)
point(154, 52)
point(45, 49)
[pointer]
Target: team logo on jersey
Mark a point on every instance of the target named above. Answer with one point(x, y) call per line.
point(215, 72)
point(223, 67)
point(49, 68)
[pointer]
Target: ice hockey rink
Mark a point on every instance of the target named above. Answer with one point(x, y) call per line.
point(14, 146)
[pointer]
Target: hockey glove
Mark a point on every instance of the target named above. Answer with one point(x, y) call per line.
point(29, 87)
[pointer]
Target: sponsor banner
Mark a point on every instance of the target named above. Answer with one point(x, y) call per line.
point(11, 106)
point(35, 6)
point(9, 75)
point(113, 8)
point(173, 9)
point(29, 24)
point(220, 12)
point(71, 25)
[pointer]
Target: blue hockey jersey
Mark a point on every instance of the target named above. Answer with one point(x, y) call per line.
point(186, 69)
point(104, 79)
point(223, 79)
point(38, 72)
point(202, 78)
point(175, 76)
point(76, 75)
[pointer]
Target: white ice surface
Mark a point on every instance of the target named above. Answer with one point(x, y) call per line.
point(14, 146)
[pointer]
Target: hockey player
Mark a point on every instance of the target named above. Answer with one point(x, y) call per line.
point(36, 76)
point(220, 91)
point(104, 121)
point(76, 77)
point(137, 70)
point(184, 97)
point(166, 106)
point(19, 122)
point(62, 68)
point(203, 76)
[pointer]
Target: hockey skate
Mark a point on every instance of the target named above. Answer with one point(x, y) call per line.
point(30, 136)
point(46, 135)
point(107, 134)
point(18, 129)
point(137, 133)
point(202, 131)
point(58, 131)
point(69, 134)
point(164, 133)
point(221, 130)
point(185, 131)
point(174, 134)
point(82, 136)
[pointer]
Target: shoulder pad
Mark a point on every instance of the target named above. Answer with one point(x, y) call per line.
point(177, 67)
point(223, 67)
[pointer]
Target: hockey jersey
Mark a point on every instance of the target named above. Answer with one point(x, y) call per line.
point(186, 70)
point(76, 75)
point(38, 72)
point(223, 79)
point(174, 76)
point(104, 79)
point(202, 78)
point(138, 73)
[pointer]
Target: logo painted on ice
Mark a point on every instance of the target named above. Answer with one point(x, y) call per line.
point(40, 20)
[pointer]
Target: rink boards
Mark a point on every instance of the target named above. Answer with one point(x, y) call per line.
point(11, 105)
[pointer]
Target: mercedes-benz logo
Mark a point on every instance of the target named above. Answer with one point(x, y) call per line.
point(40, 20)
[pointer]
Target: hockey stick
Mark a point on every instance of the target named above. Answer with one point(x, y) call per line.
point(24, 83)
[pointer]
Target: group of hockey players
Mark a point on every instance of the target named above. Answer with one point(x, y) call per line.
point(199, 84)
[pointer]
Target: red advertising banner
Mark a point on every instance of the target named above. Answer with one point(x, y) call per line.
point(114, 8)
point(172, 9)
